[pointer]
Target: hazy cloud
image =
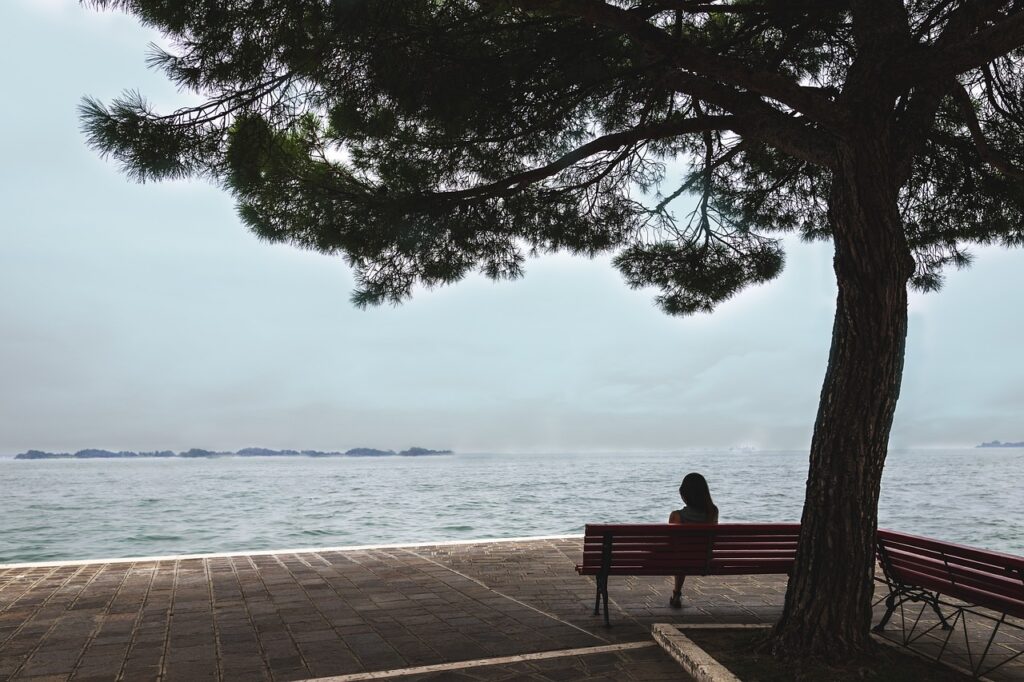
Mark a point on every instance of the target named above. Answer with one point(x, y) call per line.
point(145, 316)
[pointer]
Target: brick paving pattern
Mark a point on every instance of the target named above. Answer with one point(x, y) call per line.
point(318, 614)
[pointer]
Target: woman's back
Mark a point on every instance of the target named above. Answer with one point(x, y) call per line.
point(698, 508)
point(694, 515)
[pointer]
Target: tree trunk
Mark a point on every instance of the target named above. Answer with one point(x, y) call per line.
point(827, 611)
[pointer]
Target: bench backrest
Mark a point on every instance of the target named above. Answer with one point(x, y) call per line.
point(978, 576)
point(689, 549)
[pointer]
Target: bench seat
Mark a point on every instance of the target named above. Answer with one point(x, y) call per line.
point(668, 549)
point(925, 570)
point(978, 576)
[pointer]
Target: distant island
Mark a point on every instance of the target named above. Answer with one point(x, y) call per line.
point(999, 444)
point(244, 452)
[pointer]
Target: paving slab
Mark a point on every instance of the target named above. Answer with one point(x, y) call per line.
point(323, 613)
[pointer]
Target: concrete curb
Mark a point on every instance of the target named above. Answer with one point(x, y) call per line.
point(695, 661)
point(723, 626)
point(703, 668)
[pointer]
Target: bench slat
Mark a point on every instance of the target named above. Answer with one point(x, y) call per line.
point(639, 557)
point(746, 569)
point(662, 528)
point(997, 602)
point(951, 549)
point(991, 566)
point(986, 580)
point(597, 546)
point(681, 540)
point(981, 577)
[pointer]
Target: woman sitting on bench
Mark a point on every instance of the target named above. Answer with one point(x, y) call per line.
point(698, 508)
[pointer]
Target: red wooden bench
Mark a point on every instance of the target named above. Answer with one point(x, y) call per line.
point(924, 570)
point(685, 549)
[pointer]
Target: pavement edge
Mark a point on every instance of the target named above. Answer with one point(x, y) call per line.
point(695, 661)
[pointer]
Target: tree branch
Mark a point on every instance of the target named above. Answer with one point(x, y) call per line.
point(931, 87)
point(985, 152)
point(880, 21)
point(915, 122)
point(686, 186)
point(960, 54)
point(605, 143)
point(811, 102)
point(708, 7)
point(986, 45)
point(758, 120)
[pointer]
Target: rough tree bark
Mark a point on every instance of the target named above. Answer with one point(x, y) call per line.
point(851, 433)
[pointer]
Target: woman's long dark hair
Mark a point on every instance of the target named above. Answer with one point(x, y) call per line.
point(696, 494)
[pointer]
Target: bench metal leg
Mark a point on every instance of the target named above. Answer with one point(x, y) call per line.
point(900, 595)
point(604, 596)
point(602, 577)
point(935, 607)
point(890, 607)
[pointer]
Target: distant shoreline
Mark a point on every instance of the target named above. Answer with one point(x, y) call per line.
point(999, 444)
point(198, 453)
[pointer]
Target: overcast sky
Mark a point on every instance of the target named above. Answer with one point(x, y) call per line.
point(146, 316)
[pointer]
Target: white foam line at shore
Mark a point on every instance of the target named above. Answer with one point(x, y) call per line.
point(269, 552)
point(480, 662)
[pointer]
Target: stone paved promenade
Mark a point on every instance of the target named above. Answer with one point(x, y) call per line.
point(290, 616)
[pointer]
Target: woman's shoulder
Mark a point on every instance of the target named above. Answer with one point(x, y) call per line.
point(688, 515)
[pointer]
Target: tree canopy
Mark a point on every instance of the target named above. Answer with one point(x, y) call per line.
point(427, 139)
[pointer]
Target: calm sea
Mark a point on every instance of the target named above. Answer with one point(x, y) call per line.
point(75, 509)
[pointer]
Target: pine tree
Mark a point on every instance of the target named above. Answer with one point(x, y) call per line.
point(426, 139)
